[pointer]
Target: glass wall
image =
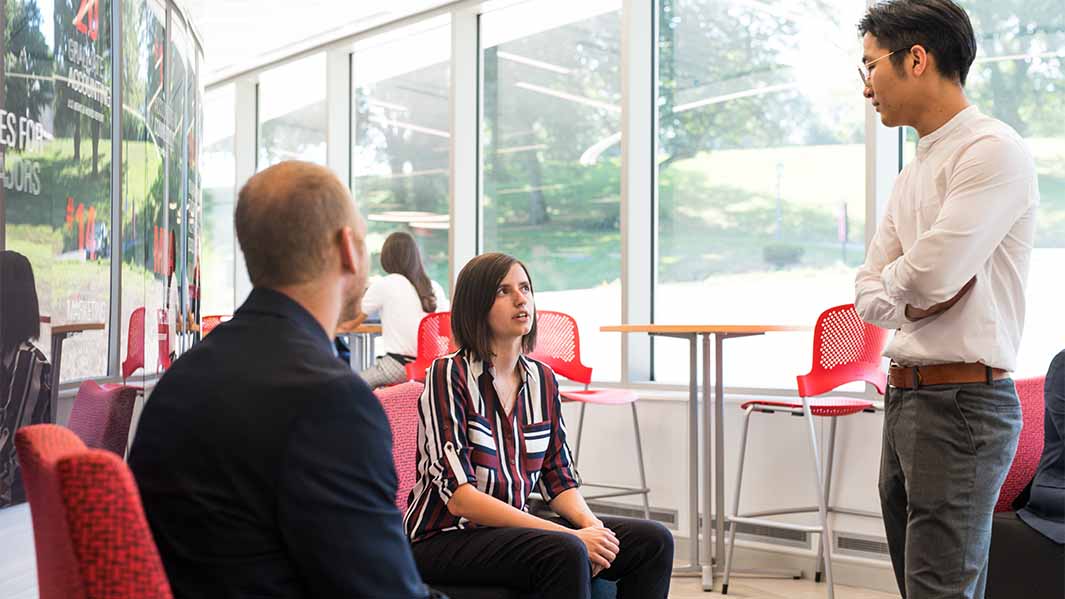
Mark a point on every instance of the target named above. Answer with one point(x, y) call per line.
point(551, 158)
point(292, 113)
point(402, 141)
point(761, 175)
point(57, 235)
point(219, 197)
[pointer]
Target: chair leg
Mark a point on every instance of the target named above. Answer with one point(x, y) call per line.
point(822, 508)
point(639, 460)
point(829, 457)
point(736, 499)
point(580, 429)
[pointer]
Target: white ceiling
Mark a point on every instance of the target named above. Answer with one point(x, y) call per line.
point(241, 34)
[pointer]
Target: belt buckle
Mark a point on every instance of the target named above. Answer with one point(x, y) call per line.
point(916, 377)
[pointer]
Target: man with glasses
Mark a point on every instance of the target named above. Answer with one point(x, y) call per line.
point(947, 268)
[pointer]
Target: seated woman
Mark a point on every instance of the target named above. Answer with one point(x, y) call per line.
point(491, 433)
point(403, 298)
point(25, 375)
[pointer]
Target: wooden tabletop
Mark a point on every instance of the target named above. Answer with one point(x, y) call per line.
point(703, 328)
point(77, 327)
point(363, 329)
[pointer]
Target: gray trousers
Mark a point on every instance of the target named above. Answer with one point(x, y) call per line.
point(946, 452)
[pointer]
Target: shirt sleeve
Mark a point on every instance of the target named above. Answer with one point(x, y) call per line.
point(442, 303)
point(336, 505)
point(989, 189)
point(871, 299)
point(557, 473)
point(375, 296)
point(442, 410)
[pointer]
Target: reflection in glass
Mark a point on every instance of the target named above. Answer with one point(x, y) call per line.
point(401, 152)
point(761, 175)
point(551, 158)
point(56, 192)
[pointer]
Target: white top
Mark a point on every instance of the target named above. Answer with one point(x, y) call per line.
point(401, 311)
point(965, 206)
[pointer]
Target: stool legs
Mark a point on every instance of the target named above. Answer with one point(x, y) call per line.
point(828, 490)
point(639, 460)
point(822, 507)
point(580, 430)
point(736, 500)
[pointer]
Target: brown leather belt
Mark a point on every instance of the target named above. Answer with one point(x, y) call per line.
point(913, 377)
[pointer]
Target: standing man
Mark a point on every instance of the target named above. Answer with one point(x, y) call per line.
point(264, 464)
point(947, 268)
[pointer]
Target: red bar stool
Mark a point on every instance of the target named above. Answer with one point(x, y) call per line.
point(846, 350)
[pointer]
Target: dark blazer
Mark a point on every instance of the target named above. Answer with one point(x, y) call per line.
point(1045, 511)
point(265, 467)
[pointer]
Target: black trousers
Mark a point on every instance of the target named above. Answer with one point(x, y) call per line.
point(549, 564)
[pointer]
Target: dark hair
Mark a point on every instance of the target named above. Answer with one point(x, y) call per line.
point(940, 26)
point(287, 219)
point(475, 293)
point(20, 316)
point(399, 255)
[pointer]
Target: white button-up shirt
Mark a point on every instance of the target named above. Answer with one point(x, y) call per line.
point(965, 206)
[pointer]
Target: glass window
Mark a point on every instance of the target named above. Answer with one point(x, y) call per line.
point(1018, 77)
point(761, 176)
point(292, 112)
point(55, 144)
point(219, 176)
point(402, 141)
point(551, 158)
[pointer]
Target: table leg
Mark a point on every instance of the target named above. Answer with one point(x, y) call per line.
point(370, 353)
point(57, 363)
point(693, 454)
point(719, 443)
point(709, 510)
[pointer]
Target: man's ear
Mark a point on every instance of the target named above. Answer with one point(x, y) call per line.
point(349, 261)
point(919, 57)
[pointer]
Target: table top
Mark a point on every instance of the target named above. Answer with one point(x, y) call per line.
point(77, 327)
point(362, 329)
point(703, 328)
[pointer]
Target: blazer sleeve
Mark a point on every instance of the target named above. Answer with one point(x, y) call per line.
point(337, 507)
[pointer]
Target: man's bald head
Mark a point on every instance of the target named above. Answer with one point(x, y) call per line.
point(288, 219)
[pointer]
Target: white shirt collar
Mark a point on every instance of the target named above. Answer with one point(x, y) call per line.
point(926, 143)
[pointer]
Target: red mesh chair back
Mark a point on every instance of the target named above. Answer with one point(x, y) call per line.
point(1029, 445)
point(210, 322)
point(558, 344)
point(163, 329)
point(92, 539)
point(846, 349)
point(134, 344)
point(401, 406)
point(434, 340)
point(101, 415)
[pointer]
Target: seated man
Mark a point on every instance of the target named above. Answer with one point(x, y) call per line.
point(1028, 546)
point(264, 464)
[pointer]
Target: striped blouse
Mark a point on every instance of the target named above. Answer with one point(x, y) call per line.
point(25, 398)
point(465, 437)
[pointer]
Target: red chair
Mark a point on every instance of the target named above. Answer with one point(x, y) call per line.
point(101, 415)
point(210, 322)
point(846, 350)
point(134, 344)
point(401, 406)
point(558, 344)
point(1029, 445)
point(434, 340)
point(91, 537)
